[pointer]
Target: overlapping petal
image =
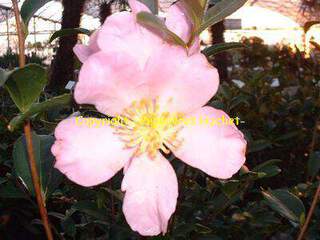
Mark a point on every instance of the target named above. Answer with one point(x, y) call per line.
point(178, 22)
point(183, 83)
point(137, 6)
point(126, 62)
point(110, 81)
point(122, 33)
point(151, 195)
point(86, 155)
point(217, 149)
point(195, 46)
point(83, 52)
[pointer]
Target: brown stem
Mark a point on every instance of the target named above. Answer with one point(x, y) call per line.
point(21, 37)
point(314, 136)
point(27, 131)
point(317, 194)
point(310, 213)
point(314, 141)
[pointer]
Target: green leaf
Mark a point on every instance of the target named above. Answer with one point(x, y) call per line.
point(50, 178)
point(29, 8)
point(3, 180)
point(68, 32)
point(116, 193)
point(3, 76)
point(259, 145)
point(220, 11)
point(221, 47)
point(25, 85)
point(229, 188)
point(286, 204)
point(314, 164)
point(36, 108)
point(9, 190)
point(238, 100)
point(287, 136)
point(153, 5)
point(69, 226)
point(269, 171)
point(91, 209)
point(156, 25)
point(195, 10)
point(268, 168)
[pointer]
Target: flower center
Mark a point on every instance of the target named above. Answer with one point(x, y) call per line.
point(148, 129)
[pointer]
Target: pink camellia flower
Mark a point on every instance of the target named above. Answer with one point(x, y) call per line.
point(129, 71)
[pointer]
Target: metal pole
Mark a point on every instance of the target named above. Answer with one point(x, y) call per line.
point(34, 30)
point(7, 22)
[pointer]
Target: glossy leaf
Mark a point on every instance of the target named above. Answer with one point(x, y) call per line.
point(50, 178)
point(9, 190)
point(3, 76)
point(195, 10)
point(259, 145)
point(90, 208)
point(116, 193)
point(69, 226)
point(239, 100)
point(25, 85)
point(286, 204)
point(68, 32)
point(2, 180)
point(37, 108)
point(156, 25)
point(153, 5)
point(220, 11)
point(221, 47)
point(231, 187)
point(314, 164)
point(29, 8)
point(287, 136)
point(269, 168)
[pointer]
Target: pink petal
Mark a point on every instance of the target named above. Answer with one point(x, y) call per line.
point(110, 81)
point(195, 46)
point(217, 150)
point(183, 83)
point(83, 52)
point(121, 33)
point(137, 6)
point(88, 156)
point(178, 22)
point(151, 195)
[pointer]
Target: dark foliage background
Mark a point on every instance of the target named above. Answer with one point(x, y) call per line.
point(279, 106)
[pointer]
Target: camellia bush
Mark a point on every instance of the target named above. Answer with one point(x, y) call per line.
point(150, 144)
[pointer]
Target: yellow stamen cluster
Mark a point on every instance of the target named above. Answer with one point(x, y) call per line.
point(148, 129)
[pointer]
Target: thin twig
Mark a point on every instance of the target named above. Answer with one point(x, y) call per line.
point(314, 135)
point(317, 194)
point(36, 181)
point(27, 131)
point(310, 213)
point(21, 35)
